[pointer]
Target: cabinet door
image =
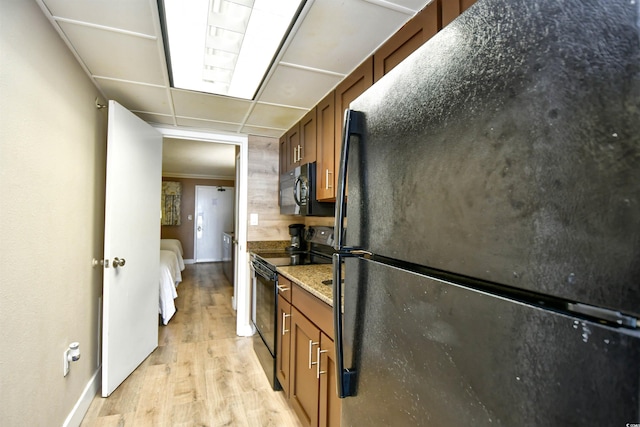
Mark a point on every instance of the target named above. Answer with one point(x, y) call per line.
point(304, 390)
point(283, 345)
point(330, 403)
point(284, 154)
point(294, 146)
point(411, 36)
point(349, 89)
point(307, 151)
point(451, 9)
point(325, 128)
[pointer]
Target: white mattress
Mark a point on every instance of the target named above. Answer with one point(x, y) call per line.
point(175, 246)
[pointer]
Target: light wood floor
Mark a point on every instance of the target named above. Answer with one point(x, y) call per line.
point(201, 374)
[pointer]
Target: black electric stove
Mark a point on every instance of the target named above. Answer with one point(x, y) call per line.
point(265, 291)
point(320, 240)
point(286, 258)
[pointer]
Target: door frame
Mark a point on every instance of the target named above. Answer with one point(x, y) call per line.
point(241, 286)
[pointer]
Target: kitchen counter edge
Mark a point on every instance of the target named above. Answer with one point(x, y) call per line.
point(310, 278)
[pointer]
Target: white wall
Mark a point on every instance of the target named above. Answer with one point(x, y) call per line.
point(52, 157)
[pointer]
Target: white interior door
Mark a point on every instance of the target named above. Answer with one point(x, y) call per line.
point(214, 216)
point(131, 245)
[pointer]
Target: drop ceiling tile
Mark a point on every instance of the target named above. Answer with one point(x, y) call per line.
point(117, 55)
point(297, 87)
point(261, 131)
point(129, 15)
point(337, 35)
point(209, 107)
point(207, 124)
point(273, 116)
point(151, 99)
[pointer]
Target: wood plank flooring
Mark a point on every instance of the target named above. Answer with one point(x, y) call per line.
point(201, 374)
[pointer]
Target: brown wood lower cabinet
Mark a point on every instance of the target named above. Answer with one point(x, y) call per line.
point(306, 369)
point(305, 389)
point(329, 401)
point(284, 344)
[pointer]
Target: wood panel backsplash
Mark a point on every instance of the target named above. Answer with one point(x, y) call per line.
point(262, 192)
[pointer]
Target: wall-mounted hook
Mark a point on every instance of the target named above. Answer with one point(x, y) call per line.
point(100, 106)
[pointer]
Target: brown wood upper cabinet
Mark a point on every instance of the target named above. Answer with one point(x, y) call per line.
point(451, 9)
point(293, 146)
point(308, 135)
point(298, 145)
point(407, 39)
point(284, 154)
point(325, 167)
point(348, 90)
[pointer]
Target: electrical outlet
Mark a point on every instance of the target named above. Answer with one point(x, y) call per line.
point(253, 219)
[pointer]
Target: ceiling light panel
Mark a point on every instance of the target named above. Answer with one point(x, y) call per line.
point(225, 47)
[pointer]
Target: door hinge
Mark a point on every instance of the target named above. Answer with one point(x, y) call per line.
point(96, 262)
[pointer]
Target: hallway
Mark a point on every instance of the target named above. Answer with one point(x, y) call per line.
point(201, 374)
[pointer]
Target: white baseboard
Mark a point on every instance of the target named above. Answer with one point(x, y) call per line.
point(245, 330)
point(189, 261)
point(82, 405)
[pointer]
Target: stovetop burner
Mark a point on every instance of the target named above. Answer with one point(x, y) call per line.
point(320, 251)
point(281, 259)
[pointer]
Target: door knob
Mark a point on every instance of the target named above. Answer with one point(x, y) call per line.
point(199, 228)
point(118, 262)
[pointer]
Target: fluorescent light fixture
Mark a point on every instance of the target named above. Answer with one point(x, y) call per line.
point(225, 47)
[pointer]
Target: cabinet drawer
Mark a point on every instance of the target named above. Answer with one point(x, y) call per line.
point(284, 287)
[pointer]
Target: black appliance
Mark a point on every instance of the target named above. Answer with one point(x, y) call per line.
point(492, 255)
point(265, 291)
point(298, 193)
point(296, 231)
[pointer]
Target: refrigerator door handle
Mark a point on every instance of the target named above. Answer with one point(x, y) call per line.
point(345, 378)
point(353, 125)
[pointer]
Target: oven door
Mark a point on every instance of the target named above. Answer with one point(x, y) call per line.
point(263, 313)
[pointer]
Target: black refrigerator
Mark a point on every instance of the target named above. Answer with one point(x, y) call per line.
point(491, 238)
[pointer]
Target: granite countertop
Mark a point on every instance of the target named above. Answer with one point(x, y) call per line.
point(269, 245)
point(310, 278)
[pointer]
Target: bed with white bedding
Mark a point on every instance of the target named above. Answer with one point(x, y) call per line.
point(170, 278)
point(175, 246)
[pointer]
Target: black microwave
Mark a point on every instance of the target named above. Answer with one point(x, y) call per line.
point(298, 193)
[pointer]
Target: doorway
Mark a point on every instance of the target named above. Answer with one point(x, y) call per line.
point(214, 216)
point(241, 279)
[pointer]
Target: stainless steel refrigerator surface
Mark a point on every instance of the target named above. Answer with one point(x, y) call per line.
point(493, 243)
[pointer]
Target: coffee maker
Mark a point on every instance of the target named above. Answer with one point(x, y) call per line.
point(296, 231)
